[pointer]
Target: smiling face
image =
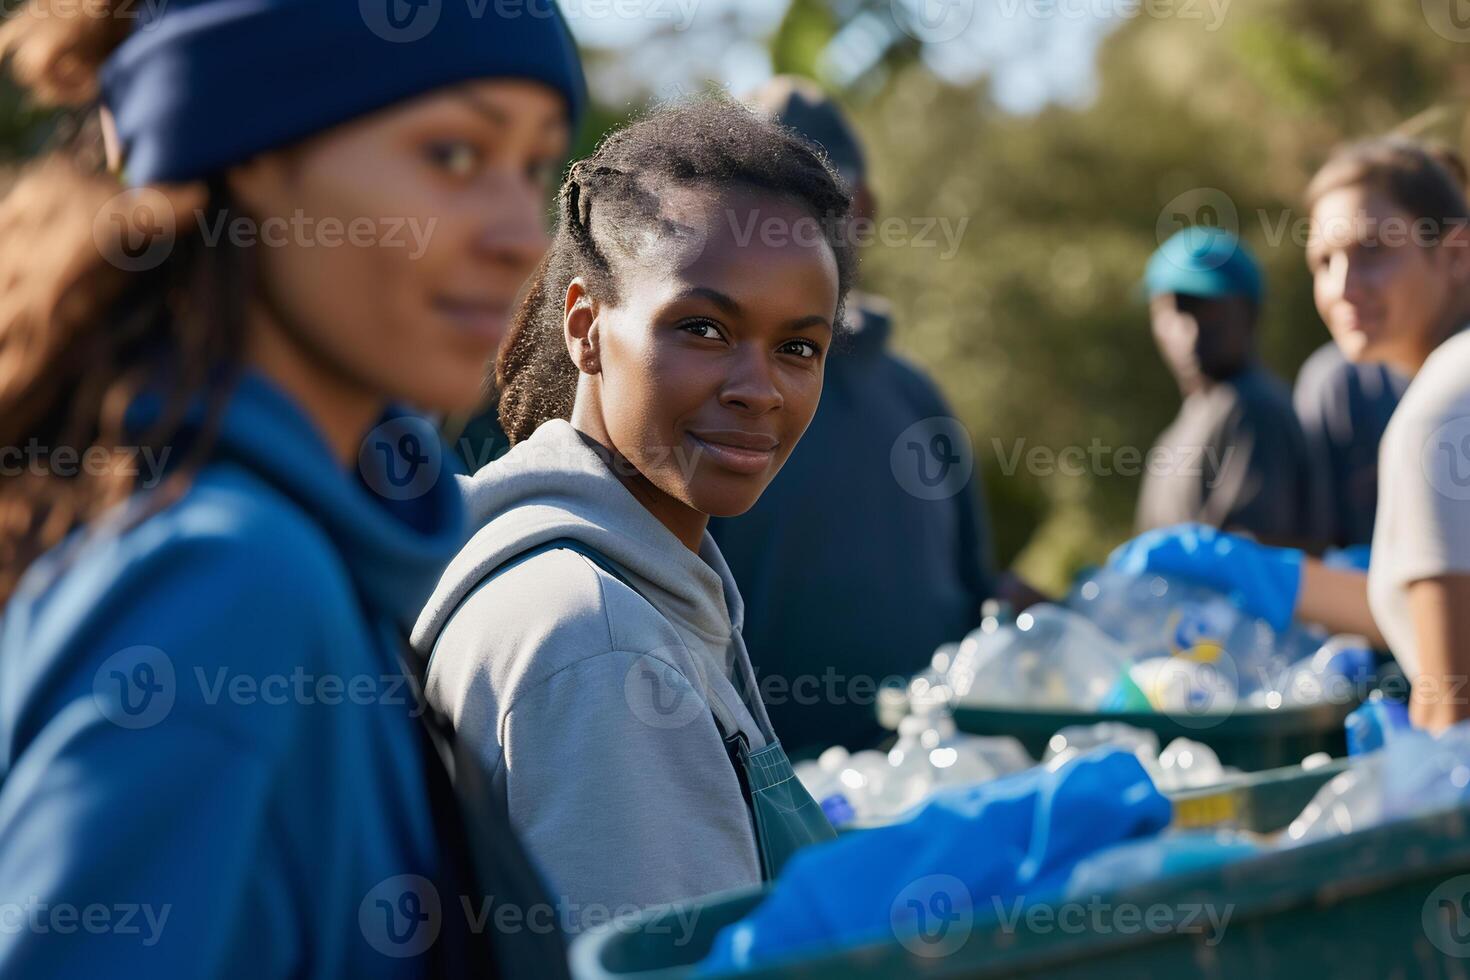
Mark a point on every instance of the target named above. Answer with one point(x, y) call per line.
point(392, 248)
point(1382, 290)
point(708, 367)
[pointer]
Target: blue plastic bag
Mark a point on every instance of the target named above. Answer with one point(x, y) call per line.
point(968, 850)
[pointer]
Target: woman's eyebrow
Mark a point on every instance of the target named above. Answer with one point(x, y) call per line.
point(724, 302)
point(812, 320)
point(491, 112)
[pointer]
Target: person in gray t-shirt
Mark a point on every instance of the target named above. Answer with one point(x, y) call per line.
point(1344, 409)
point(1235, 456)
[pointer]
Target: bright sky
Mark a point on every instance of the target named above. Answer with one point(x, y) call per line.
point(1035, 51)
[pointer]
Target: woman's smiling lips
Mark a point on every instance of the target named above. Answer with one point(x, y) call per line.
point(736, 449)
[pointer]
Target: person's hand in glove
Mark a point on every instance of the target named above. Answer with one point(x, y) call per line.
point(1261, 580)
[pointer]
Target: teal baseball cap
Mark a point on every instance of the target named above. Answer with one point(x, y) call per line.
point(1204, 261)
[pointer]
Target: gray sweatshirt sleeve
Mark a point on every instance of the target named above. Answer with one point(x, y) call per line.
point(618, 781)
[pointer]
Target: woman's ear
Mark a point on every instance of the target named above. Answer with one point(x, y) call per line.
point(580, 327)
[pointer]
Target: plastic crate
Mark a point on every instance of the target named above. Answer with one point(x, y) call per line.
point(1387, 902)
point(1261, 802)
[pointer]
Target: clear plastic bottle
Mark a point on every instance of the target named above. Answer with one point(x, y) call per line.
point(1155, 616)
point(1350, 801)
point(1187, 764)
point(911, 778)
point(1049, 657)
point(1074, 740)
point(955, 758)
point(864, 780)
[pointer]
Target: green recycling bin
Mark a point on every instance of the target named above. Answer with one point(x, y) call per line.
point(1260, 802)
point(1391, 901)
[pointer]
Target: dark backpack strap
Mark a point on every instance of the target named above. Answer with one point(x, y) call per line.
point(483, 862)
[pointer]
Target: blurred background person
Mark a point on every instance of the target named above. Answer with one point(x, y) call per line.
point(848, 578)
point(1344, 409)
point(1234, 457)
point(177, 638)
point(1389, 256)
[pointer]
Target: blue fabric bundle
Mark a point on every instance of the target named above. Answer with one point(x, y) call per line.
point(1017, 837)
point(208, 83)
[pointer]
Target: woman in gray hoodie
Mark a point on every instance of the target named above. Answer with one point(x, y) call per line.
point(666, 360)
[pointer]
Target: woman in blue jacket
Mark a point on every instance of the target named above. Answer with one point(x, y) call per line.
point(214, 525)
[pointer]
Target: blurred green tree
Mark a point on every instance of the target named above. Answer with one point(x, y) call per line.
point(1034, 326)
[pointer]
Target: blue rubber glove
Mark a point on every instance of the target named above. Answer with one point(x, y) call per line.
point(1261, 580)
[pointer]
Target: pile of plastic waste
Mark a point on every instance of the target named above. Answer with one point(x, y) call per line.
point(1408, 772)
point(1139, 643)
point(872, 787)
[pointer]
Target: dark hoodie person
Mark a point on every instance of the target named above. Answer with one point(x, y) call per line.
point(853, 568)
point(587, 641)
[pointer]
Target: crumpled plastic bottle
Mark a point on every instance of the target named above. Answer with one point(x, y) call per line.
point(1074, 740)
point(1155, 616)
point(1049, 657)
point(1187, 764)
point(1350, 801)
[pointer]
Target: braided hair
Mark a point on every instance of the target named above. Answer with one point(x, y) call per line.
point(615, 197)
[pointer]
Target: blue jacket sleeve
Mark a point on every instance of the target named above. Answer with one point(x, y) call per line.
point(135, 818)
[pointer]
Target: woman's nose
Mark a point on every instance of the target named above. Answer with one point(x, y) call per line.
point(513, 230)
point(751, 385)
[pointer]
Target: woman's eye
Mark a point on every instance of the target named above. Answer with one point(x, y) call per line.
point(702, 328)
point(803, 348)
point(457, 158)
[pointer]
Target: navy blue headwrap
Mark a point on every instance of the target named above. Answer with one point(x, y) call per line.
point(207, 83)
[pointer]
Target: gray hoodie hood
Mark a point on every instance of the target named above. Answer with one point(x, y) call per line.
point(554, 485)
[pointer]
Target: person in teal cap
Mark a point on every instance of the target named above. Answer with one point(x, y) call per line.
point(1235, 456)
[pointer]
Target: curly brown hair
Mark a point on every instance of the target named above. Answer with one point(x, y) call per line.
point(82, 330)
point(713, 143)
